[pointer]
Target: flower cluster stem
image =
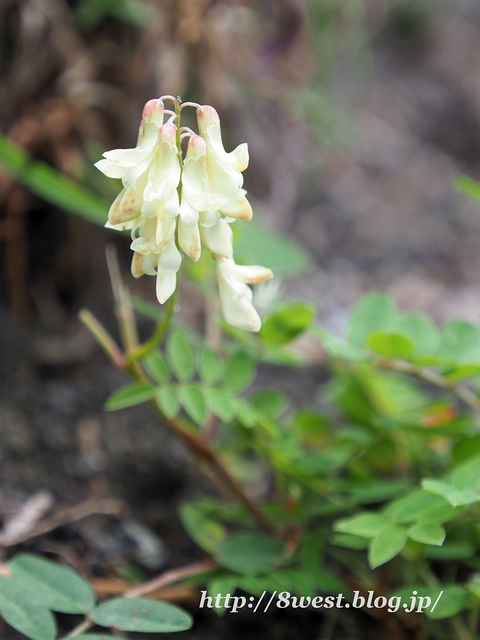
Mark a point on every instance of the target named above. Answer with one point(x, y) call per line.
point(179, 143)
point(196, 443)
point(160, 330)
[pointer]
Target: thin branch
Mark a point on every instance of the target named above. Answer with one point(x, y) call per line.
point(206, 453)
point(429, 375)
point(123, 303)
point(210, 428)
point(103, 338)
point(169, 577)
point(106, 506)
point(85, 625)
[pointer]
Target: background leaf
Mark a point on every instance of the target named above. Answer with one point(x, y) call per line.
point(453, 600)
point(130, 395)
point(168, 401)
point(193, 401)
point(386, 545)
point(204, 531)
point(249, 553)
point(90, 13)
point(460, 342)
point(367, 525)
point(24, 612)
point(210, 366)
point(412, 507)
point(468, 187)
point(141, 614)
point(239, 372)
point(427, 534)
point(374, 312)
point(286, 323)
point(220, 404)
point(180, 356)
point(256, 244)
point(51, 185)
point(157, 367)
point(270, 402)
point(391, 344)
point(94, 636)
point(58, 588)
point(422, 331)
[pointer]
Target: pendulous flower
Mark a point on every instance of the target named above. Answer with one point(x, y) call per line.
point(165, 200)
point(236, 296)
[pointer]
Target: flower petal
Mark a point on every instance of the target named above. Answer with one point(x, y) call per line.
point(218, 238)
point(137, 264)
point(153, 112)
point(209, 127)
point(227, 183)
point(189, 240)
point(171, 205)
point(164, 174)
point(188, 214)
point(170, 258)
point(150, 264)
point(196, 188)
point(253, 274)
point(110, 169)
point(166, 284)
point(237, 308)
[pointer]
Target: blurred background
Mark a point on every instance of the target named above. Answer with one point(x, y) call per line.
point(358, 114)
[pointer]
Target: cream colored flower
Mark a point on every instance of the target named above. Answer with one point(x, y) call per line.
point(148, 203)
point(217, 237)
point(132, 166)
point(224, 169)
point(236, 296)
point(161, 259)
point(197, 197)
point(212, 196)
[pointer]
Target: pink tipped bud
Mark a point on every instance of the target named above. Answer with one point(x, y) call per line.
point(207, 117)
point(196, 147)
point(153, 111)
point(168, 133)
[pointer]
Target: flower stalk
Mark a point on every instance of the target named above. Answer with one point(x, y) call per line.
point(198, 444)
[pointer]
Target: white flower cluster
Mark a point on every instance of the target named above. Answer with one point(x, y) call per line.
point(210, 183)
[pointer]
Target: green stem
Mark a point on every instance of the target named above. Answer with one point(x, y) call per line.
point(474, 620)
point(135, 353)
point(179, 144)
point(461, 632)
point(160, 330)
